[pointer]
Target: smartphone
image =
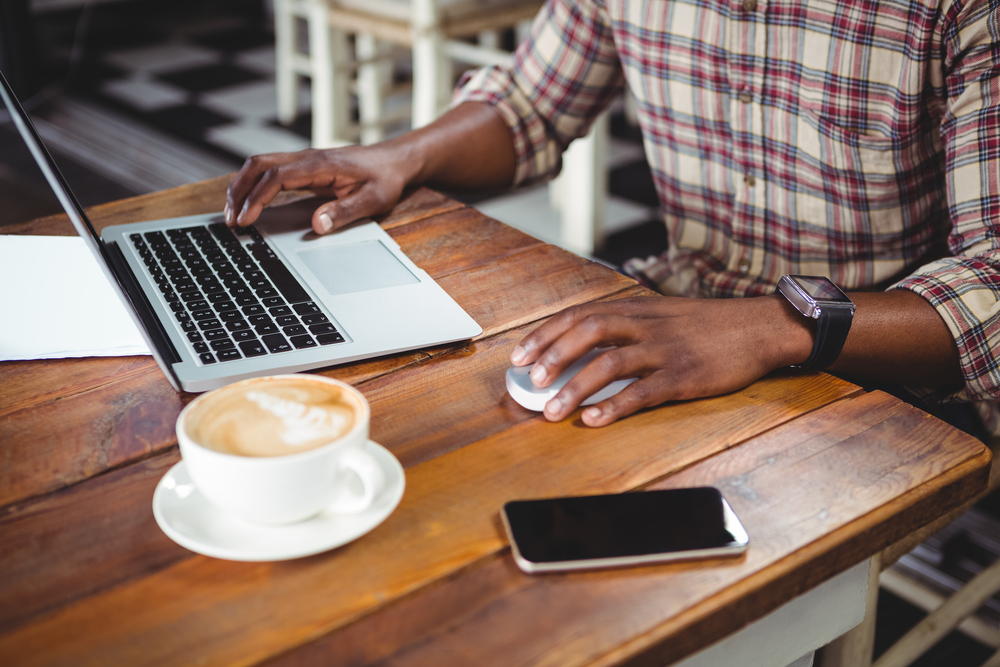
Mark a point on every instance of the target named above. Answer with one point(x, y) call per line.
point(585, 532)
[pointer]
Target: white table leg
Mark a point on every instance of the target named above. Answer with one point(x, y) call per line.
point(789, 635)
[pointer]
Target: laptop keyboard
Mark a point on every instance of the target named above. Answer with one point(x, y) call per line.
point(232, 300)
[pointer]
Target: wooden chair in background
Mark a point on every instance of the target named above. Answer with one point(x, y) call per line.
point(437, 33)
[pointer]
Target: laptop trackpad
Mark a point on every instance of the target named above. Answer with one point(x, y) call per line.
point(357, 267)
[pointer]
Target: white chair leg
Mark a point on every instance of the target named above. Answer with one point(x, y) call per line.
point(428, 55)
point(330, 91)
point(489, 39)
point(944, 619)
point(584, 189)
point(370, 88)
point(286, 80)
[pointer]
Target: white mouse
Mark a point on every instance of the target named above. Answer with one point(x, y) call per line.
point(523, 390)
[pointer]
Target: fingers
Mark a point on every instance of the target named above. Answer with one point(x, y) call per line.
point(616, 364)
point(266, 176)
point(366, 202)
point(555, 345)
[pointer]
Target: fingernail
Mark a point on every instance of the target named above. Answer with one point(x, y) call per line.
point(592, 413)
point(243, 213)
point(538, 374)
point(554, 407)
point(227, 213)
point(517, 356)
point(325, 222)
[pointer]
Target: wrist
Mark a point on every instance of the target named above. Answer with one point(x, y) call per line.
point(786, 334)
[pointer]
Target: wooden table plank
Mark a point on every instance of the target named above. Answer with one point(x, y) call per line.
point(446, 522)
point(801, 534)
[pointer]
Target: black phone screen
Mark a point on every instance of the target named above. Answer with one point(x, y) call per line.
point(620, 525)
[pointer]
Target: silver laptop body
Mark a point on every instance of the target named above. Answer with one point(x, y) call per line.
point(275, 298)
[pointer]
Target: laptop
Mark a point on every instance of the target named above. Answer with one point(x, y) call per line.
point(217, 305)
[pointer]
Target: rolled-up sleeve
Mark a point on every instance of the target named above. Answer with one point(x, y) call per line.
point(964, 288)
point(554, 85)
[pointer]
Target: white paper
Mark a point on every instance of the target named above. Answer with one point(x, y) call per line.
point(55, 302)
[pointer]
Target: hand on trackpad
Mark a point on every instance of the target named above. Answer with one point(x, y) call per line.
point(523, 390)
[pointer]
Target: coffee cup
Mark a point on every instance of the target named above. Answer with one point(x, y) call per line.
point(281, 449)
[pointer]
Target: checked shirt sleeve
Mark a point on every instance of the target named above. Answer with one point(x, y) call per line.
point(553, 87)
point(965, 287)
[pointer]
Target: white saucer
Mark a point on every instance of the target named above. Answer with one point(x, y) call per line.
point(523, 390)
point(192, 522)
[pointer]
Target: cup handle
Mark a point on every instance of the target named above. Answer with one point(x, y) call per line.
point(372, 478)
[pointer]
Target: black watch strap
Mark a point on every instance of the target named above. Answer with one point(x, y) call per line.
point(832, 328)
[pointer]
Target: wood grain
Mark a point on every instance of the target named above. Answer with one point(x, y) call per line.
point(801, 534)
point(446, 522)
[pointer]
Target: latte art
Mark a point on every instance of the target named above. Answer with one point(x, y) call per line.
point(275, 417)
point(303, 423)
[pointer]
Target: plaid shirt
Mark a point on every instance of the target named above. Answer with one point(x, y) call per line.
point(855, 139)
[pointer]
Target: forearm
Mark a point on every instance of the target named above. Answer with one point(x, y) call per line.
point(896, 337)
point(468, 148)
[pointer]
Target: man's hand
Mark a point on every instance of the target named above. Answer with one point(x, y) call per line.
point(365, 182)
point(468, 148)
point(678, 348)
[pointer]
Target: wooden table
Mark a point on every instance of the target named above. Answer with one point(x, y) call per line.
point(822, 475)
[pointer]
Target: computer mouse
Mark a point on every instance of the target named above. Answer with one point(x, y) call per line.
point(522, 390)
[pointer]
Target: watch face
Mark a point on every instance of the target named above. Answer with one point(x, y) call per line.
point(821, 289)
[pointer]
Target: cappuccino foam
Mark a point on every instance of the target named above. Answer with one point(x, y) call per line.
point(273, 417)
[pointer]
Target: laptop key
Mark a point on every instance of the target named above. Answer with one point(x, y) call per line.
point(192, 295)
point(306, 308)
point(218, 296)
point(280, 310)
point(247, 300)
point(194, 336)
point(203, 314)
point(244, 334)
point(188, 326)
point(230, 315)
point(238, 325)
point(253, 310)
point(223, 344)
point(314, 318)
point(197, 305)
point(229, 355)
point(330, 338)
point(273, 301)
point(207, 358)
point(226, 307)
point(267, 292)
point(216, 334)
point(266, 328)
point(185, 286)
point(200, 347)
point(176, 306)
point(253, 348)
point(286, 320)
point(294, 330)
point(325, 327)
point(283, 280)
point(258, 319)
point(209, 324)
point(303, 341)
point(276, 343)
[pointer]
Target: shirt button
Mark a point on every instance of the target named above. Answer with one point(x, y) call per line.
point(744, 266)
point(749, 5)
point(746, 96)
point(750, 180)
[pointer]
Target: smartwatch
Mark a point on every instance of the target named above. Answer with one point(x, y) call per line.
point(818, 298)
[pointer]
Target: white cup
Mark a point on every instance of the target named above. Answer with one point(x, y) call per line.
point(338, 476)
